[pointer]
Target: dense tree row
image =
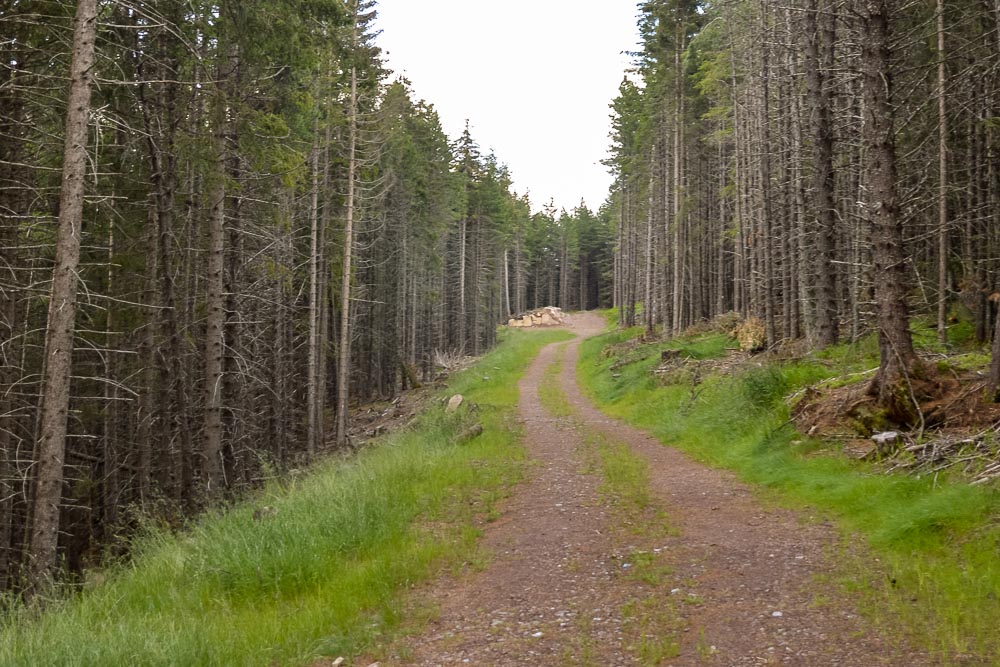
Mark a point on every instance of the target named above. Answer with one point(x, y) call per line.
point(221, 225)
point(829, 167)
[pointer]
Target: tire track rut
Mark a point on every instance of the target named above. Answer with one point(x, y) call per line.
point(736, 584)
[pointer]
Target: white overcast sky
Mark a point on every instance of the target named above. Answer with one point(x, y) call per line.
point(533, 77)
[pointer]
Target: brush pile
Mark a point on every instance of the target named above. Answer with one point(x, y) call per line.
point(977, 457)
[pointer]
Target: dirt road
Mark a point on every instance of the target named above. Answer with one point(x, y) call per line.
point(725, 580)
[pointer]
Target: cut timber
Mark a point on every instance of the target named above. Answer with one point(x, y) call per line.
point(550, 316)
point(454, 403)
point(887, 443)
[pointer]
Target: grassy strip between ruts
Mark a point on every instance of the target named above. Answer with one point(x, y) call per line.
point(323, 574)
point(937, 540)
point(550, 393)
point(650, 618)
point(625, 475)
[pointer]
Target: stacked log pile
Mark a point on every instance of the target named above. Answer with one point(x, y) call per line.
point(550, 316)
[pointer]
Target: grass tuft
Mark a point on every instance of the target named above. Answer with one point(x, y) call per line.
point(763, 387)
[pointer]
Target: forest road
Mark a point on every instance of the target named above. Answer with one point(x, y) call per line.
point(713, 576)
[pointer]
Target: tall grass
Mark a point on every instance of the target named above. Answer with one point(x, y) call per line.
point(936, 539)
point(324, 573)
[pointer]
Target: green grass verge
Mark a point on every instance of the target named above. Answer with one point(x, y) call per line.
point(937, 539)
point(324, 574)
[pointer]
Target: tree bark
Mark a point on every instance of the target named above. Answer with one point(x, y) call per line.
point(51, 448)
point(993, 382)
point(312, 370)
point(212, 467)
point(897, 356)
point(942, 316)
point(506, 283)
point(818, 64)
point(799, 242)
point(764, 164)
point(462, 312)
point(648, 298)
point(326, 292)
point(678, 173)
point(344, 359)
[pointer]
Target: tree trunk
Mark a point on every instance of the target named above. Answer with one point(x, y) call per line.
point(171, 366)
point(739, 265)
point(145, 430)
point(764, 165)
point(51, 447)
point(519, 296)
point(11, 114)
point(344, 360)
point(478, 289)
point(799, 242)
point(212, 468)
point(648, 298)
point(313, 363)
point(818, 65)
point(8, 448)
point(897, 357)
point(993, 382)
point(942, 318)
point(326, 290)
point(506, 283)
point(678, 173)
point(462, 313)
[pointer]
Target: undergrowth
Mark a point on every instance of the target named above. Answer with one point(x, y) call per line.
point(936, 539)
point(323, 573)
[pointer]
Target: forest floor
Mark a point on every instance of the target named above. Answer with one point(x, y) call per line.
point(380, 417)
point(618, 550)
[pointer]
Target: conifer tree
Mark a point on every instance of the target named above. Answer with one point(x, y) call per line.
point(61, 326)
